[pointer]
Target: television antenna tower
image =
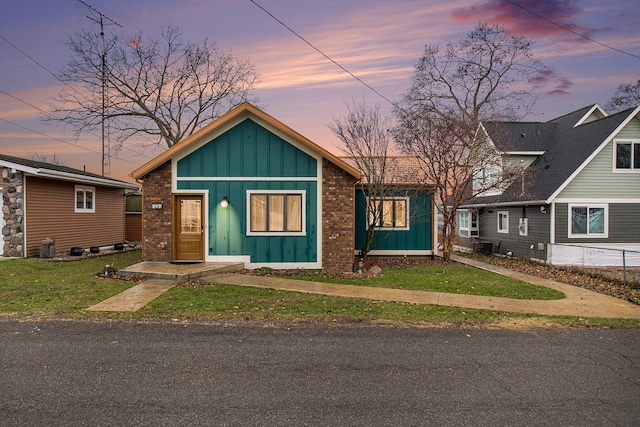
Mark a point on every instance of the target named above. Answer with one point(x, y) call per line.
point(100, 18)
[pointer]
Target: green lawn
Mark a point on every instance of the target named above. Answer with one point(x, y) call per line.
point(37, 289)
point(450, 278)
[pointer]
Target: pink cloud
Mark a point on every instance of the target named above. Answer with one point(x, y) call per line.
point(520, 16)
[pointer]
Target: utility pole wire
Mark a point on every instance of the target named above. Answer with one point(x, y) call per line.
point(324, 54)
point(571, 31)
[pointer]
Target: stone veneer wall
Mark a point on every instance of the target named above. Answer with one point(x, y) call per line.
point(338, 218)
point(12, 213)
point(157, 244)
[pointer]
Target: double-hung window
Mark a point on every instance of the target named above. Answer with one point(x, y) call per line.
point(389, 213)
point(85, 199)
point(276, 213)
point(588, 220)
point(627, 156)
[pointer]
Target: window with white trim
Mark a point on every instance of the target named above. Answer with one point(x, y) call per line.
point(468, 221)
point(627, 156)
point(85, 199)
point(588, 220)
point(390, 213)
point(503, 222)
point(271, 213)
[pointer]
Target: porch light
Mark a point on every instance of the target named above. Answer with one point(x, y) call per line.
point(224, 202)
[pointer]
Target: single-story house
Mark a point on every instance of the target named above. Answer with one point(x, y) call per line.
point(42, 200)
point(247, 188)
point(405, 225)
point(580, 202)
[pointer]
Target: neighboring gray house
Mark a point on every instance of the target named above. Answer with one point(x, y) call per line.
point(583, 191)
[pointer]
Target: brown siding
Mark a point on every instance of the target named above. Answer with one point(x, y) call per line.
point(50, 212)
point(338, 218)
point(133, 227)
point(156, 224)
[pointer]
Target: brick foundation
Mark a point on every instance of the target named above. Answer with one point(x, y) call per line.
point(156, 224)
point(338, 218)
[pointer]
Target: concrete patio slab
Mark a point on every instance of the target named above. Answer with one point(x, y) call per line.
point(179, 271)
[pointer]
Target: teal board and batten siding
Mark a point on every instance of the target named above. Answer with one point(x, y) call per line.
point(249, 157)
point(417, 240)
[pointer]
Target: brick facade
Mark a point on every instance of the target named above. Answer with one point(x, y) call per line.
point(156, 225)
point(338, 218)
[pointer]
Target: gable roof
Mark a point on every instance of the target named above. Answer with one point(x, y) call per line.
point(569, 143)
point(244, 110)
point(49, 170)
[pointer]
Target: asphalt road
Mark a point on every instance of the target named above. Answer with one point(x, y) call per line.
point(79, 373)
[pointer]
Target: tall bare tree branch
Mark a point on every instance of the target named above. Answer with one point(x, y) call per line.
point(454, 89)
point(164, 88)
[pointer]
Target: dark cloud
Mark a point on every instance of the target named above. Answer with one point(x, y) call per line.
point(508, 14)
point(549, 80)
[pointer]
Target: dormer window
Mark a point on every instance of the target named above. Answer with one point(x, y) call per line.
point(627, 156)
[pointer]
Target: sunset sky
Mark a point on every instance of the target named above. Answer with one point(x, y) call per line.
point(379, 41)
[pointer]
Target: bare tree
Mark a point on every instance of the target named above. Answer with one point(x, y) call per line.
point(366, 137)
point(625, 96)
point(164, 88)
point(443, 118)
point(54, 159)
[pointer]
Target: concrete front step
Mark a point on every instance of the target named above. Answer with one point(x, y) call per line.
point(179, 271)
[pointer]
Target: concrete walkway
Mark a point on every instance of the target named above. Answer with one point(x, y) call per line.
point(578, 302)
point(136, 297)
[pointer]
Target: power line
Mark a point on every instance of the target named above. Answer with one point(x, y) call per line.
point(571, 31)
point(52, 116)
point(60, 140)
point(325, 55)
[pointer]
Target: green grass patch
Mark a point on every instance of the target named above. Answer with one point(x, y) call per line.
point(450, 278)
point(33, 288)
point(48, 288)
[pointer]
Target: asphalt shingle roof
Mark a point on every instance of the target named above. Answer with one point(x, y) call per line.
point(566, 147)
point(58, 168)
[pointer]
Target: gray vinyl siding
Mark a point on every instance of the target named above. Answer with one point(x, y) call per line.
point(519, 246)
point(598, 180)
point(624, 226)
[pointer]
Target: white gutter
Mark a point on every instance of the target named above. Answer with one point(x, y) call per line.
point(66, 176)
point(491, 205)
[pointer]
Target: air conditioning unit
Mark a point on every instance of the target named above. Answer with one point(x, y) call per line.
point(523, 226)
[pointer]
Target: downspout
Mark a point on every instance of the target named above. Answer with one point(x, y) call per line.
point(552, 231)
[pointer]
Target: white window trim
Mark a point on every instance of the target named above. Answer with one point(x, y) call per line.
point(505, 213)
point(588, 235)
point(84, 189)
point(407, 213)
point(303, 193)
point(463, 231)
point(615, 155)
point(470, 229)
